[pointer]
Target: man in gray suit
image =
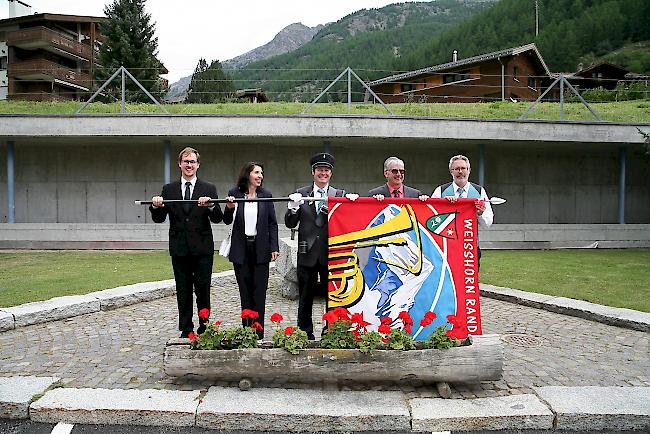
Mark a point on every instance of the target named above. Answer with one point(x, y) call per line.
point(312, 236)
point(394, 187)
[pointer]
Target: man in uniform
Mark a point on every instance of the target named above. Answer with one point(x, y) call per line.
point(312, 236)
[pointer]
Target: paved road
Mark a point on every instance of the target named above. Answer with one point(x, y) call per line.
point(123, 348)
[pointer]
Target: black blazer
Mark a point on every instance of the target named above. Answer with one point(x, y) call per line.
point(266, 240)
point(383, 189)
point(313, 227)
point(189, 233)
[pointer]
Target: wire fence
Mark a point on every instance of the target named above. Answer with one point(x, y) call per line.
point(435, 86)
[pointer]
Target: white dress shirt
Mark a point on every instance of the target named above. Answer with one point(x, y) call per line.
point(484, 220)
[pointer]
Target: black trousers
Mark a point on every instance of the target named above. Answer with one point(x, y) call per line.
point(253, 281)
point(308, 287)
point(192, 275)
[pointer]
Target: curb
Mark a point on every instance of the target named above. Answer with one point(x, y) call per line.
point(615, 316)
point(301, 410)
point(69, 306)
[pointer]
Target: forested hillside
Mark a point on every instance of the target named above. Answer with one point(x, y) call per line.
point(568, 30)
point(366, 40)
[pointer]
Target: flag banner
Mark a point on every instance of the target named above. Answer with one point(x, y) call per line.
point(396, 255)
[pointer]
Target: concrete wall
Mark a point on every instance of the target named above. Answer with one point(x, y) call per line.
point(152, 236)
point(97, 183)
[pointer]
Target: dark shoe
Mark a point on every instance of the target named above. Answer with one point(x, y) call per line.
point(311, 337)
point(186, 334)
point(201, 329)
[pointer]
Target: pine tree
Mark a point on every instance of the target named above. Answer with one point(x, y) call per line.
point(130, 42)
point(209, 84)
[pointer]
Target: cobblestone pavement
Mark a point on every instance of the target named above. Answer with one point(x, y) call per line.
point(124, 348)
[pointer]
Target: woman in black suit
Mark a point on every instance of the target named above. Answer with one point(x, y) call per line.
point(254, 239)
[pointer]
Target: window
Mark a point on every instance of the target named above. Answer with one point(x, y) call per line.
point(515, 73)
point(3, 62)
point(456, 76)
point(531, 82)
point(407, 87)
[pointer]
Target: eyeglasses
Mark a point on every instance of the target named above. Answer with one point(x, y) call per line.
point(396, 171)
point(189, 161)
point(459, 169)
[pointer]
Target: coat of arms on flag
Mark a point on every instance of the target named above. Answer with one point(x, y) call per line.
point(398, 255)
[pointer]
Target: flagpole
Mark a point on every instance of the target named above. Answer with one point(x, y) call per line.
point(493, 200)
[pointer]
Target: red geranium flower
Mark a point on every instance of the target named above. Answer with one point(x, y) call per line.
point(204, 314)
point(288, 330)
point(276, 318)
point(450, 333)
point(408, 329)
point(430, 316)
point(384, 329)
point(217, 323)
point(247, 313)
point(192, 336)
point(342, 313)
point(355, 332)
point(330, 316)
point(452, 320)
point(404, 315)
point(357, 318)
point(425, 322)
point(257, 326)
point(386, 320)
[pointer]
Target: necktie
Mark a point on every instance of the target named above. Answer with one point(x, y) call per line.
point(320, 203)
point(460, 192)
point(395, 193)
point(188, 195)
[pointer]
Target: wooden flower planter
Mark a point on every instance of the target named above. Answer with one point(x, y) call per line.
point(482, 360)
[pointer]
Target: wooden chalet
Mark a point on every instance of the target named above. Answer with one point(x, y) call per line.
point(518, 73)
point(603, 74)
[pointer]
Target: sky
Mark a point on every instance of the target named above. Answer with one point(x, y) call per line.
point(213, 29)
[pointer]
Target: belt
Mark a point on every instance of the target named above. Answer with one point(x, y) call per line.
point(250, 238)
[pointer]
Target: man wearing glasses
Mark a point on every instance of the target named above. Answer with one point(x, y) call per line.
point(394, 187)
point(191, 246)
point(460, 187)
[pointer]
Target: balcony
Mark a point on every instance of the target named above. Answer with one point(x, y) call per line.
point(50, 40)
point(41, 69)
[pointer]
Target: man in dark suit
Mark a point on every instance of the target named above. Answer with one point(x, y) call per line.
point(394, 187)
point(191, 246)
point(312, 236)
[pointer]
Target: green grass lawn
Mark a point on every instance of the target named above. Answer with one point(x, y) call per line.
point(625, 111)
point(619, 278)
point(612, 277)
point(34, 276)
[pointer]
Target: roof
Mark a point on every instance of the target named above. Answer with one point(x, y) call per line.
point(590, 68)
point(52, 17)
point(468, 61)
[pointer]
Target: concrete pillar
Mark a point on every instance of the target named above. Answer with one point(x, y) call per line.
point(481, 164)
point(11, 191)
point(167, 162)
point(621, 185)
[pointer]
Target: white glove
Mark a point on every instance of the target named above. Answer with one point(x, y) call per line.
point(295, 202)
point(352, 196)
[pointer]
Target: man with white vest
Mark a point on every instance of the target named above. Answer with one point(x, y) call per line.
point(460, 187)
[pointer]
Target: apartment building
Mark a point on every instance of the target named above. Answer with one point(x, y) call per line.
point(48, 57)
